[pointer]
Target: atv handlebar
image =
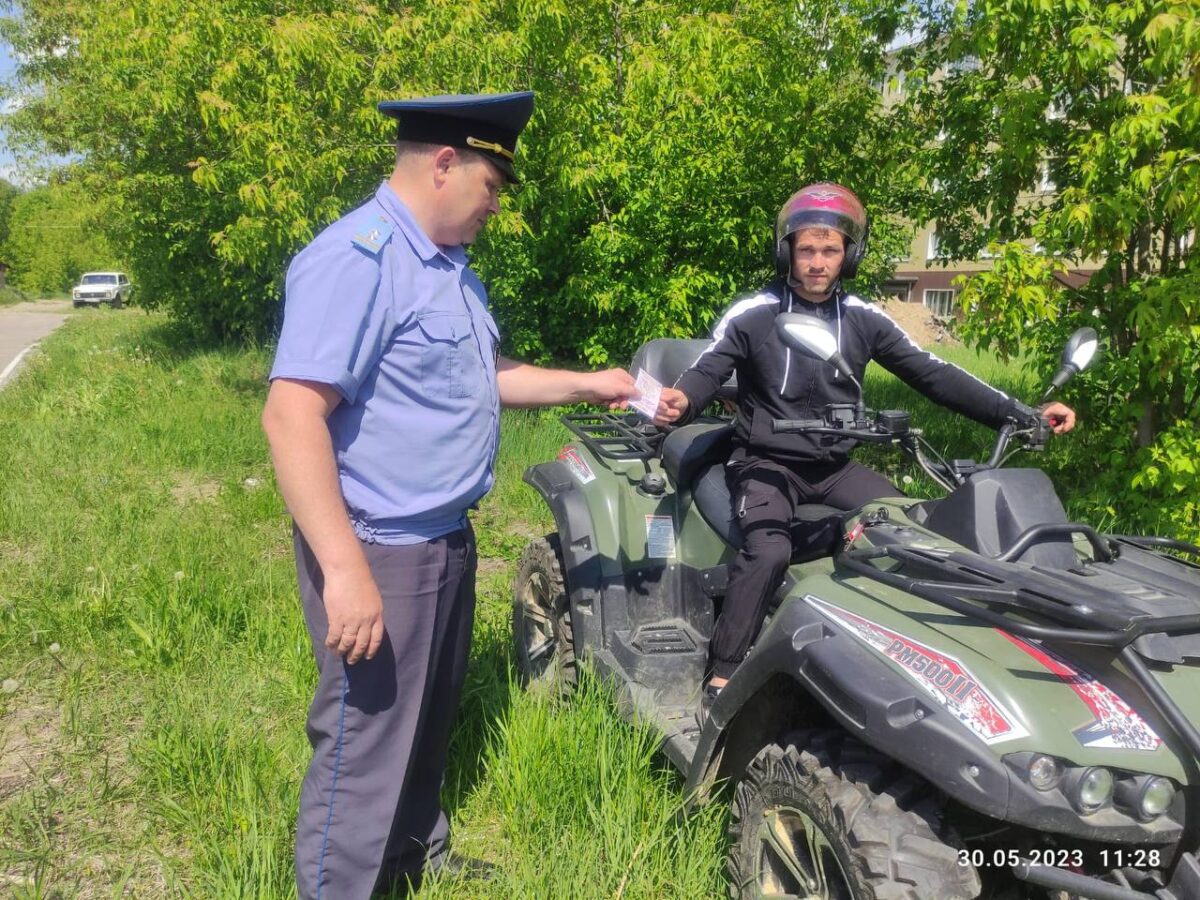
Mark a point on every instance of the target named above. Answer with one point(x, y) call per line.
point(852, 422)
point(847, 420)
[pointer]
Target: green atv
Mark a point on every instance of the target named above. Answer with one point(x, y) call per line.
point(972, 696)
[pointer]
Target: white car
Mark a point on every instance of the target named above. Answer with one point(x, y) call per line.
point(95, 288)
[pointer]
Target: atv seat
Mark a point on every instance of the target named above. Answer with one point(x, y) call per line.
point(694, 458)
point(665, 359)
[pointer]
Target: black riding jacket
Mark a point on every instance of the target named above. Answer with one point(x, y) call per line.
point(775, 382)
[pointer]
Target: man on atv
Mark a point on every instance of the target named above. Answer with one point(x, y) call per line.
point(820, 239)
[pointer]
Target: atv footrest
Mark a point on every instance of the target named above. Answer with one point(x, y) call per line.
point(667, 657)
point(666, 638)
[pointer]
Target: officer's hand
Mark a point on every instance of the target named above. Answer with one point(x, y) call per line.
point(1061, 416)
point(355, 612)
point(672, 405)
point(615, 387)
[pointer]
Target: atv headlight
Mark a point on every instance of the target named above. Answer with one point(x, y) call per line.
point(1044, 772)
point(1093, 789)
point(1156, 798)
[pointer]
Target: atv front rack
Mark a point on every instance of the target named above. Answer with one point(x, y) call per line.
point(615, 435)
point(981, 593)
point(1162, 545)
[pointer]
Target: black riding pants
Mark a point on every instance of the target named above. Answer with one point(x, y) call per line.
point(765, 495)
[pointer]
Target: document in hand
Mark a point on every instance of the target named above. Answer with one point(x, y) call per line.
point(650, 391)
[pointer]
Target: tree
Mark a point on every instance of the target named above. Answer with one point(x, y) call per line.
point(53, 238)
point(1101, 97)
point(8, 193)
point(664, 139)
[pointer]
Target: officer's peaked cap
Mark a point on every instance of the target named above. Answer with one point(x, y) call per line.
point(487, 123)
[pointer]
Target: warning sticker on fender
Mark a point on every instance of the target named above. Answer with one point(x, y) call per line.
point(660, 537)
point(577, 464)
point(1115, 724)
point(943, 677)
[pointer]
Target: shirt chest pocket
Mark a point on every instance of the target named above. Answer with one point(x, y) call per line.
point(450, 361)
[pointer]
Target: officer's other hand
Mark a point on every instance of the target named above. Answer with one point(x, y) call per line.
point(1060, 416)
point(615, 387)
point(355, 612)
point(672, 405)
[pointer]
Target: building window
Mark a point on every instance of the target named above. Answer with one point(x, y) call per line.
point(940, 303)
point(934, 249)
point(1046, 184)
point(900, 290)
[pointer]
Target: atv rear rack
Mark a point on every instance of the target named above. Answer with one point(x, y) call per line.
point(615, 435)
point(978, 593)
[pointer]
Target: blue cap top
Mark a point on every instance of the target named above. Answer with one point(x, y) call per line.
point(487, 123)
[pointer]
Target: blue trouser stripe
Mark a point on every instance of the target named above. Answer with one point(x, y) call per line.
point(337, 765)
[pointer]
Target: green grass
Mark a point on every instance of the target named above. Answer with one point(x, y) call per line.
point(159, 669)
point(10, 296)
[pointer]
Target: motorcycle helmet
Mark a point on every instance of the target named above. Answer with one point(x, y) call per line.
point(823, 205)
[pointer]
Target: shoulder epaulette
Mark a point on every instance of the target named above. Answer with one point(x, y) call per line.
point(375, 232)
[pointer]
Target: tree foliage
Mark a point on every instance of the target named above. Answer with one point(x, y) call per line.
point(665, 137)
point(54, 235)
point(1104, 99)
point(8, 193)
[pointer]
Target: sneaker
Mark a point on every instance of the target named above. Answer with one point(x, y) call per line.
point(708, 696)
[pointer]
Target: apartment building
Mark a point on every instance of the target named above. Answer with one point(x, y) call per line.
point(926, 275)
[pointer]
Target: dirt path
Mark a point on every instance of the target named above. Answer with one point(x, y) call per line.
point(920, 324)
point(22, 326)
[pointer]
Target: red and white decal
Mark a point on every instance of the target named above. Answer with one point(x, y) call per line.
point(1115, 724)
point(577, 464)
point(947, 680)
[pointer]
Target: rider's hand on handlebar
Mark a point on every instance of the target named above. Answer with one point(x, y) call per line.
point(1060, 416)
point(672, 406)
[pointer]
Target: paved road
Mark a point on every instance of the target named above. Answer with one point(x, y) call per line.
point(23, 325)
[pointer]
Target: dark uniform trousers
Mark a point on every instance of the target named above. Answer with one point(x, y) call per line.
point(370, 809)
point(765, 496)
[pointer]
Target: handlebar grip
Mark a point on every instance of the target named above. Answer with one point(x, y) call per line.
point(778, 425)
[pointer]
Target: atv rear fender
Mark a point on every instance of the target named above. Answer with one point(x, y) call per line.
point(581, 559)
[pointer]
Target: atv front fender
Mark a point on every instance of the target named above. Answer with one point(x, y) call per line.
point(826, 674)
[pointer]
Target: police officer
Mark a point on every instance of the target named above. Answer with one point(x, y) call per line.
point(383, 417)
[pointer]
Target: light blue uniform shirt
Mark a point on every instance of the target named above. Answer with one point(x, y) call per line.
point(400, 328)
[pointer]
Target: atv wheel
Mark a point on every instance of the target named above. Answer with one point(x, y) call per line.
point(542, 638)
point(826, 817)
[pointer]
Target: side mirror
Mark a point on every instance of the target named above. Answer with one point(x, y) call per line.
point(1077, 355)
point(808, 334)
point(1081, 349)
point(812, 337)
